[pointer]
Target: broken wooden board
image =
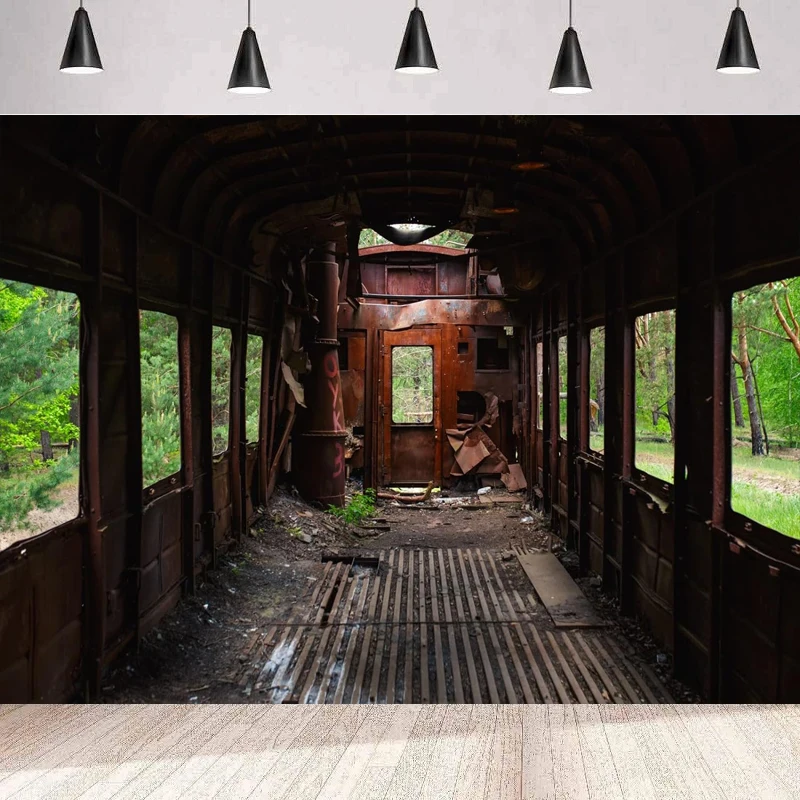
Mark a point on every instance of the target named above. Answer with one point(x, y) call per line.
point(500, 499)
point(564, 601)
point(514, 479)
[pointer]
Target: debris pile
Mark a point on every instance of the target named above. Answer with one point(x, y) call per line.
point(476, 454)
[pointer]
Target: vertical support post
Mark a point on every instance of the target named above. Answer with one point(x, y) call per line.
point(238, 432)
point(573, 415)
point(554, 412)
point(90, 456)
point(547, 435)
point(321, 436)
point(628, 444)
point(187, 451)
point(583, 436)
point(613, 431)
point(371, 478)
point(264, 411)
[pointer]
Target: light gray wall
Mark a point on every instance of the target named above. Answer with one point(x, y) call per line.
point(337, 57)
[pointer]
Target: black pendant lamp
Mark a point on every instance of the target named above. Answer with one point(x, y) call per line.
point(416, 52)
point(738, 56)
point(80, 54)
point(249, 75)
point(570, 75)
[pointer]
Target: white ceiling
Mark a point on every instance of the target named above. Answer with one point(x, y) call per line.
point(175, 57)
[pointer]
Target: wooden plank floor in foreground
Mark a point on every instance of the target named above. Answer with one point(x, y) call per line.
point(435, 625)
point(399, 751)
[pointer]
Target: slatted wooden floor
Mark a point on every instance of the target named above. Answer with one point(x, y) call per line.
point(453, 752)
point(435, 626)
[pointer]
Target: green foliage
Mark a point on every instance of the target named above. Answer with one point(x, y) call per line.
point(562, 386)
point(34, 488)
point(776, 364)
point(39, 363)
point(361, 507)
point(777, 511)
point(252, 386)
point(597, 386)
point(161, 422)
point(412, 384)
point(654, 339)
point(221, 341)
point(448, 238)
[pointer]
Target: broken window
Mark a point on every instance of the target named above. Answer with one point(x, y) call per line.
point(597, 387)
point(493, 353)
point(539, 385)
point(161, 396)
point(765, 405)
point(344, 353)
point(654, 342)
point(563, 385)
point(471, 407)
point(252, 387)
point(39, 409)
point(220, 387)
point(412, 384)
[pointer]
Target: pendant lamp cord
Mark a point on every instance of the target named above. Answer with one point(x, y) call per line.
point(248, 13)
point(570, 13)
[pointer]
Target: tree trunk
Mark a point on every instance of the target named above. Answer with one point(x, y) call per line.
point(756, 438)
point(601, 399)
point(47, 448)
point(738, 416)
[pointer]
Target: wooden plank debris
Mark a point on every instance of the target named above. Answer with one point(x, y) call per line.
point(561, 596)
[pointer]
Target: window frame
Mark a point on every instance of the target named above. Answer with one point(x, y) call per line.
point(661, 487)
point(78, 289)
point(429, 347)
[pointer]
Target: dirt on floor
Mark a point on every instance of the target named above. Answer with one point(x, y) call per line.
point(197, 651)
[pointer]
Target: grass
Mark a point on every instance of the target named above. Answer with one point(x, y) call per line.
point(774, 508)
point(777, 511)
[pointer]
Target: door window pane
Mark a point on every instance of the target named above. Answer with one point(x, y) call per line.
point(412, 384)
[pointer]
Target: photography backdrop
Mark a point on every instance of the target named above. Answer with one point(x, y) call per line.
point(175, 56)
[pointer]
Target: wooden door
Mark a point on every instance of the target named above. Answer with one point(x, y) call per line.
point(410, 410)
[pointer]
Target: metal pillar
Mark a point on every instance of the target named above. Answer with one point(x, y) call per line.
point(318, 460)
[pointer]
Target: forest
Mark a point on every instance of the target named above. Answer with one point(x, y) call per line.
point(40, 417)
point(39, 403)
point(764, 398)
point(448, 238)
point(412, 384)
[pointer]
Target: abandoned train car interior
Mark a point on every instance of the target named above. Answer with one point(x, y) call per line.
point(585, 329)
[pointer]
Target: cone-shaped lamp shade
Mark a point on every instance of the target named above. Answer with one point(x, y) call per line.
point(249, 75)
point(570, 75)
point(80, 54)
point(416, 53)
point(738, 55)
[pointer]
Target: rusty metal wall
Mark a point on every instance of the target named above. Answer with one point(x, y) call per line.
point(75, 596)
point(716, 589)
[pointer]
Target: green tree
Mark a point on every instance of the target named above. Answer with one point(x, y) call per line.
point(220, 386)
point(252, 386)
point(161, 421)
point(39, 362)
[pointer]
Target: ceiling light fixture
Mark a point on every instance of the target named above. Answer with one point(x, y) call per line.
point(738, 56)
point(80, 54)
point(416, 52)
point(249, 76)
point(570, 75)
point(409, 227)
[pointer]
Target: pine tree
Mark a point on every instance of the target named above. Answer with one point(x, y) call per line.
point(39, 362)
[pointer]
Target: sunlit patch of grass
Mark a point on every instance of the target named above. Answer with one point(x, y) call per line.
point(777, 511)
